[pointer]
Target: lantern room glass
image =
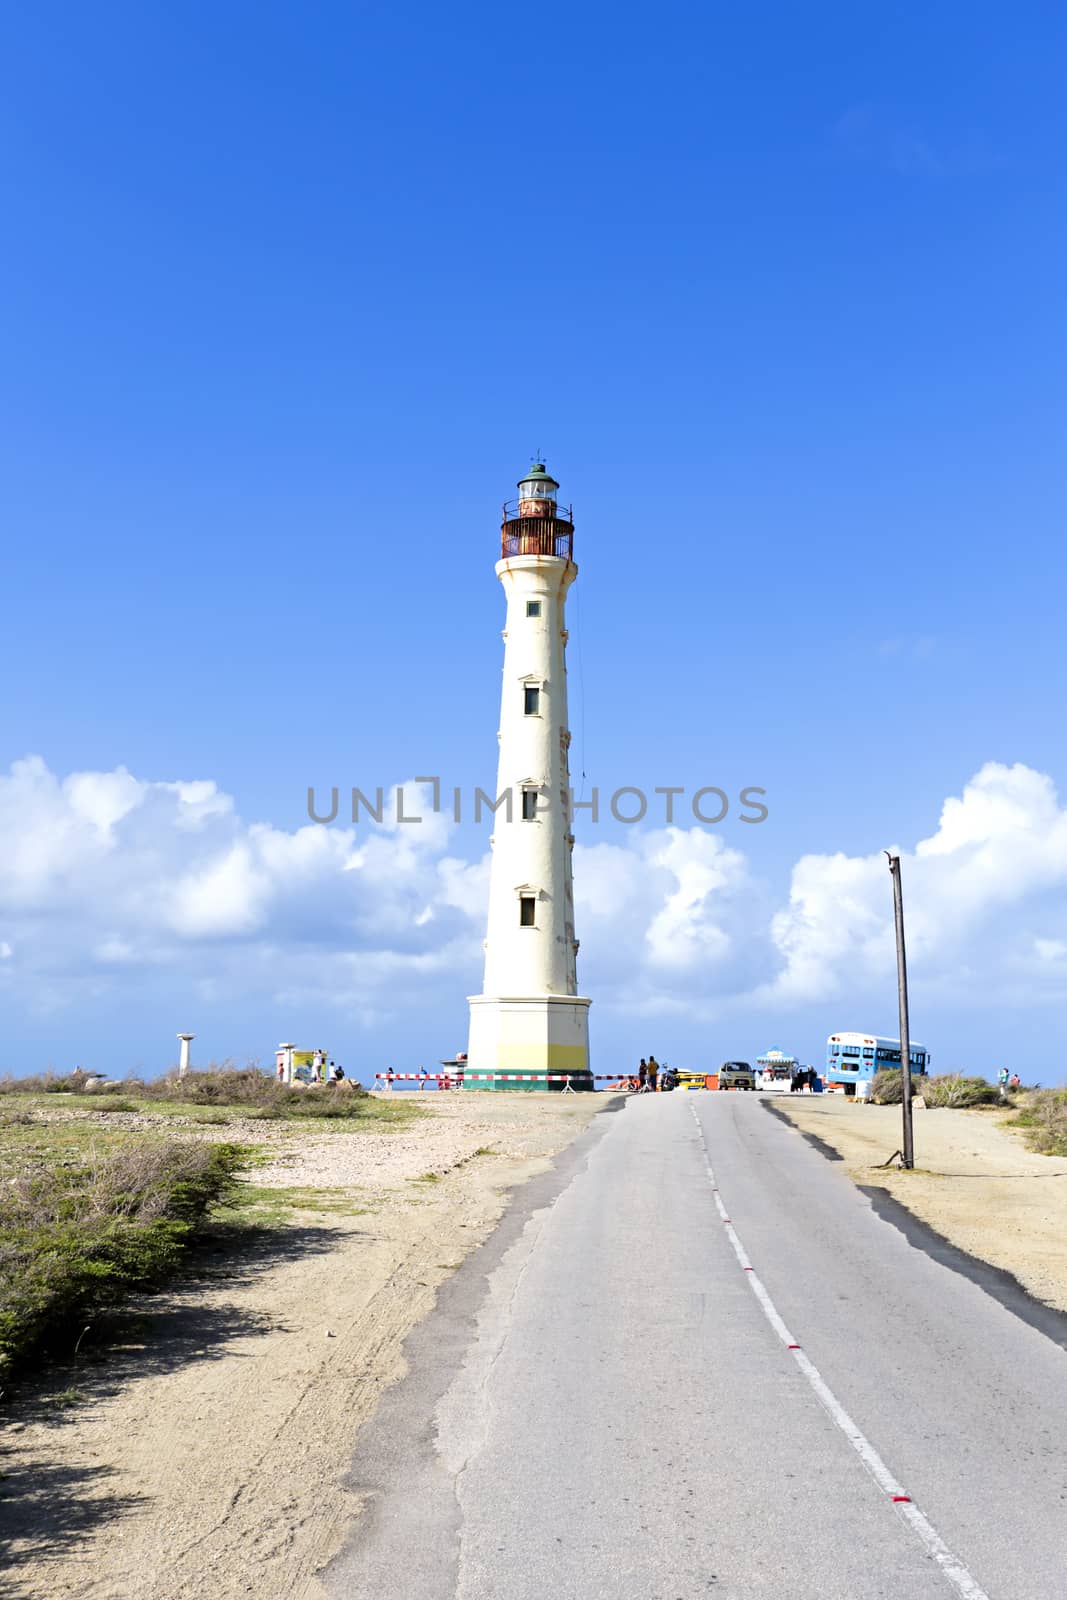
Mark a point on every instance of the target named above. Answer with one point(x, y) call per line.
point(537, 489)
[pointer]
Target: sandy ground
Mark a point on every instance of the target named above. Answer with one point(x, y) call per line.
point(974, 1181)
point(205, 1456)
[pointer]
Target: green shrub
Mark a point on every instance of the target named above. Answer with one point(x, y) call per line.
point(326, 1102)
point(109, 1104)
point(1044, 1116)
point(76, 1238)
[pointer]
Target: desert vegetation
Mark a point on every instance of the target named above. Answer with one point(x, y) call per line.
point(246, 1090)
point(1040, 1113)
point(80, 1229)
point(106, 1188)
point(1043, 1116)
point(950, 1089)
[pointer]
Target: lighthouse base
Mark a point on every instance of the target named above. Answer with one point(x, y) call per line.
point(537, 1043)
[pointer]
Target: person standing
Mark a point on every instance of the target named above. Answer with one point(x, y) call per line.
point(642, 1076)
point(1002, 1082)
point(653, 1074)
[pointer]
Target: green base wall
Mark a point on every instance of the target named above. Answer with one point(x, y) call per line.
point(581, 1083)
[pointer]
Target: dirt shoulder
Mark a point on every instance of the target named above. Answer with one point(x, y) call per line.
point(205, 1455)
point(974, 1182)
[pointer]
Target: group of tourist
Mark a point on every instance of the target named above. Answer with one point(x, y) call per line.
point(804, 1081)
point(318, 1070)
point(650, 1077)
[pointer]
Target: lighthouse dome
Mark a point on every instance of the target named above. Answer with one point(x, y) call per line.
point(538, 471)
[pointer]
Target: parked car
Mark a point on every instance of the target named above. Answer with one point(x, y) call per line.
point(736, 1075)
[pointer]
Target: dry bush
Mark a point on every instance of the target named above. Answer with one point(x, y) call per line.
point(950, 1089)
point(43, 1083)
point(953, 1089)
point(886, 1087)
point(243, 1087)
point(248, 1086)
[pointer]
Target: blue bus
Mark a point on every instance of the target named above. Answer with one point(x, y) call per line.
point(854, 1058)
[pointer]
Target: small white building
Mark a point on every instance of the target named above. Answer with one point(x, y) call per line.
point(529, 1019)
point(776, 1069)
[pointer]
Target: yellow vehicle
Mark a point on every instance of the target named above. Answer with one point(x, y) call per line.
point(693, 1080)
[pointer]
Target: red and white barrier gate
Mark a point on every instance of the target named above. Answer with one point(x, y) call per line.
point(449, 1080)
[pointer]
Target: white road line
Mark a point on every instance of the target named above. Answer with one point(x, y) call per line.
point(936, 1547)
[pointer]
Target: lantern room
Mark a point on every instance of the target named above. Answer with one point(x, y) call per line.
point(534, 525)
point(537, 493)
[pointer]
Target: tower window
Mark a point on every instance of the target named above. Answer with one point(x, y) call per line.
point(531, 700)
point(533, 608)
point(526, 910)
point(529, 805)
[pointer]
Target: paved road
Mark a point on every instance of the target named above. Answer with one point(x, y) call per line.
point(603, 1407)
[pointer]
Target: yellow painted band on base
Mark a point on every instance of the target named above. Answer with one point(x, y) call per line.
point(542, 1058)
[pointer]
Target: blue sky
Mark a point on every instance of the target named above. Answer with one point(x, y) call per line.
point(290, 297)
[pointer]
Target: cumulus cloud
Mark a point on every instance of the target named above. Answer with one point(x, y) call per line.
point(986, 914)
point(671, 921)
point(105, 877)
point(102, 873)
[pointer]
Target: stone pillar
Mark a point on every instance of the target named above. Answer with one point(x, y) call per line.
point(183, 1060)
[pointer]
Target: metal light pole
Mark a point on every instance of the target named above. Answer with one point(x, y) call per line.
point(908, 1154)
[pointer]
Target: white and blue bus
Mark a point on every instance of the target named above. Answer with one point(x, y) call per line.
point(854, 1058)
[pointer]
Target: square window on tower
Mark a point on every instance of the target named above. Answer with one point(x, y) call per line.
point(531, 700)
point(533, 608)
point(526, 910)
point(529, 805)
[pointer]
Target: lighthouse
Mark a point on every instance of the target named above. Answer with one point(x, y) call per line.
point(529, 1028)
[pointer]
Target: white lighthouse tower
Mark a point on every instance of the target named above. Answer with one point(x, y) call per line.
point(529, 1019)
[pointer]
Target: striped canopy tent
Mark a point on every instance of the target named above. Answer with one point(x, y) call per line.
point(777, 1061)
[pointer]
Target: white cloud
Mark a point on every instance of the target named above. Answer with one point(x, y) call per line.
point(983, 897)
point(685, 933)
point(670, 921)
point(104, 876)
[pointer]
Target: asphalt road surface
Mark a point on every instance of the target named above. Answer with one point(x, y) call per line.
point(606, 1404)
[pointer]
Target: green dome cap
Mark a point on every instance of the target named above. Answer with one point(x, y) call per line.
point(538, 473)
